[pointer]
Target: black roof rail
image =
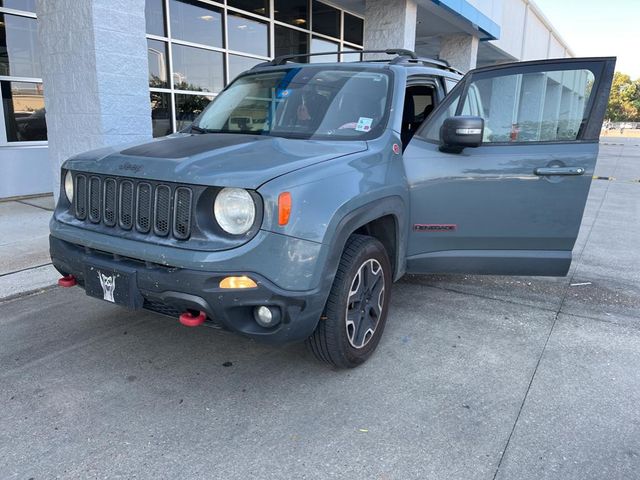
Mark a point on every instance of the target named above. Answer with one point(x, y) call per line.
point(430, 62)
point(282, 59)
point(401, 56)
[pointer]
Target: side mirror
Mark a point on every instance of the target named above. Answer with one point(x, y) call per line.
point(458, 133)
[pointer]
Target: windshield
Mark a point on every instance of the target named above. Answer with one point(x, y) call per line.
point(302, 102)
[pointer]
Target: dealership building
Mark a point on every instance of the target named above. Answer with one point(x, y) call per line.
point(77, 75)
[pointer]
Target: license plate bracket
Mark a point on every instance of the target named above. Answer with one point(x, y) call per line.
point(113, 284)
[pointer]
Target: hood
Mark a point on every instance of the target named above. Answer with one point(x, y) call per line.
point(215, 159)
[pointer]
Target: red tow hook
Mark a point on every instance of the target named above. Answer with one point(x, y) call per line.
point(188, 319)
point(67, 281)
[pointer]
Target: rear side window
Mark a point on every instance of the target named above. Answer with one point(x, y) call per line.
point(526, 107)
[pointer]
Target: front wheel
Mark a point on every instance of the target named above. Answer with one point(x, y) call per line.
point(356, 311)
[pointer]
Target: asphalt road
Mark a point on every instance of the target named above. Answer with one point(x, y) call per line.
point(475, 378)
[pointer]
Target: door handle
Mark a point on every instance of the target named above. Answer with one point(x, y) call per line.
point(559, 171)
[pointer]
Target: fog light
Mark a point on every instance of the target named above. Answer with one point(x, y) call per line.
point(237, 282)
point(266, 316)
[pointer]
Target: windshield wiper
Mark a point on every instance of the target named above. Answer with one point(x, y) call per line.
point(198, 129)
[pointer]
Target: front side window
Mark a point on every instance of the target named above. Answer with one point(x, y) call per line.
point(302, 103)
point(525, 107)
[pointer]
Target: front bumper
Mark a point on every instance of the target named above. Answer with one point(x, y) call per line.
point(171, 291)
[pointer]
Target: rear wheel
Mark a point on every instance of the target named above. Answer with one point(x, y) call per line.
point(356, 311)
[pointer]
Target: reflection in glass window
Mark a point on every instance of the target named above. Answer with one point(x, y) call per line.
point(197, 69)
point(532, 107)
point(196, 22)
point(238, 65)
point(319, 46)
point(326, 19)
point(247, 35)
point(24, 5)
point(303, 103)
point(24, 113)
point(188, 107)
point(353, 29)
point(161, 114)
point(261, 7)
point(19, 46)
point(158, 64)
point(295, 12)
point(290, 42)
point(542, 106)
point(154, 15)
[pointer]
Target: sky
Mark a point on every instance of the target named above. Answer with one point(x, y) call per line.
point(599, 28)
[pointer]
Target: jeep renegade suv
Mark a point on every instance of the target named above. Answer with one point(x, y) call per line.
point(289, 207)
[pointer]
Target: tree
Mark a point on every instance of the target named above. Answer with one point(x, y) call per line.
point(624, 100)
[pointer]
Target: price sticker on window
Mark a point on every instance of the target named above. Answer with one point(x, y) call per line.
point(364, 124)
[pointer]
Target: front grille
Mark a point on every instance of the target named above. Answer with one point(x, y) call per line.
point(161, 208)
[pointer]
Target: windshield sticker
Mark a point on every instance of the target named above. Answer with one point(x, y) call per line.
point(364, 124)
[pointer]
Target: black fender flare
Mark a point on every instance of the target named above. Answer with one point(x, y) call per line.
point(387, 206)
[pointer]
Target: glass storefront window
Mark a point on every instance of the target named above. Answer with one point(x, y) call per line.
point(188, 107)
point(247, 35)
point(154, 15)
point(206, 43)
point(19, 46)
point(24, 115)
point(326, 19)
point(319, 46)
point(24, 5)
point(197, 69)
point(260, 7)
point(196, 22)
point(239, 64)
point(295, 12)
point(290, 42)
point(350, 57)
point(161, 114)
point(353, 29)
point(158, 64)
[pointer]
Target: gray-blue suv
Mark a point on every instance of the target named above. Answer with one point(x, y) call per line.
point(289, 207)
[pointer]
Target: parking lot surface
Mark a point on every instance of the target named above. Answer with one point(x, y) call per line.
point(475, 378)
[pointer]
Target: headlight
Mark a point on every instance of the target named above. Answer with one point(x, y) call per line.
point(68, 186)
point(234, 210)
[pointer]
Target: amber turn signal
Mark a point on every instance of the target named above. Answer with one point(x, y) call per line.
point(284, 208)
point(237, 282)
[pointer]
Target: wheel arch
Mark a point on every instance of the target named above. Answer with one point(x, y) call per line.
point(383, 219)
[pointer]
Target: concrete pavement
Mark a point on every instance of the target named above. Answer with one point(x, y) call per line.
point(25, 265)
point(475, 378)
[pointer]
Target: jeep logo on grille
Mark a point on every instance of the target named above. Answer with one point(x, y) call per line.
point(132, 167)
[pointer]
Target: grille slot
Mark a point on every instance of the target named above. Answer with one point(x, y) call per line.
point(143, 212)
point(94, 199)
point(110, 214)
point(162, 217)
point(80, 197)
point(126, 203)
point(182, 213)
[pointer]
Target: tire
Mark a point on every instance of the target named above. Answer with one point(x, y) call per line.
point(356, 311)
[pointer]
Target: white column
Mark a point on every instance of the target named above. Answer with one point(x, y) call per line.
point(460, 50)
point(95, 75)
point(390, 24)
